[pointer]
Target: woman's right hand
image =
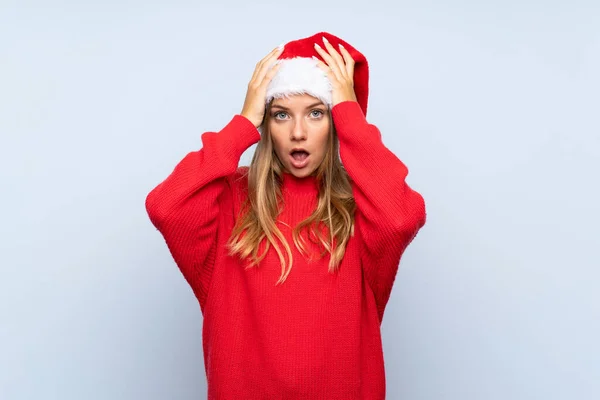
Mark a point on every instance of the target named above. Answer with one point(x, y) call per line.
point(254, 104)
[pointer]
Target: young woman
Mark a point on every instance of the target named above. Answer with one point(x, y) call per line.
point(293, 258)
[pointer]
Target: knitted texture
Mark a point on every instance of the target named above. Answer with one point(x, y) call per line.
point(316, 336)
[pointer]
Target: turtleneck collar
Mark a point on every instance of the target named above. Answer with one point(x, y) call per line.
point(293, 184)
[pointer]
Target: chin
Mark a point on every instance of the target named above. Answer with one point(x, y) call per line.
point(304, 172)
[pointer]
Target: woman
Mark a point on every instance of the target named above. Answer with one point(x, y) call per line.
point(293, 258)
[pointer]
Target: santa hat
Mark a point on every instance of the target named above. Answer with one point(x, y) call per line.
point(300, 74)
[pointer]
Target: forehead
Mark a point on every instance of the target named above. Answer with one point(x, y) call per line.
point(297, 101)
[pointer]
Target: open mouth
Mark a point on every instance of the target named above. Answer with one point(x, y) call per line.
point(299, 158)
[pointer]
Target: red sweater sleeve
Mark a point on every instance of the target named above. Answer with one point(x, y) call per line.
point(389, 213)
point(185, 206)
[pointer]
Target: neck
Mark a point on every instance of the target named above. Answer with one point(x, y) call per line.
point(297, 185)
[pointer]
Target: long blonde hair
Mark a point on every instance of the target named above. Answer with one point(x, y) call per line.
point(334, 213)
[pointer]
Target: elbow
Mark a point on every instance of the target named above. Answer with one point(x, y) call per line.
point(420, 210)
point(154, 210)
point(413, 216)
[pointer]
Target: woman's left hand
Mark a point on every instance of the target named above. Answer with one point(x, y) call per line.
point(339, 69)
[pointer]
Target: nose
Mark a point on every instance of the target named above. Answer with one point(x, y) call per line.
point(298, 130)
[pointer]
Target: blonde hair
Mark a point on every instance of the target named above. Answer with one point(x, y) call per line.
point(334, 211)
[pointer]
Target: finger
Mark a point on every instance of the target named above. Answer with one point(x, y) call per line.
point(326, 69)
point(349, 62)
point(266, 60)
point(265, 66)
point(335, 55)
point(266, 74)
point(259, 64)
point(270, 74)
point(330, 61)
point(321, 63)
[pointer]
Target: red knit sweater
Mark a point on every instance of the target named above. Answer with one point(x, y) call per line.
point(316, 336)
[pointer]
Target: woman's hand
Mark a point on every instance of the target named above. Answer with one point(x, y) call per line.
point(254, 104)
point(339, 69)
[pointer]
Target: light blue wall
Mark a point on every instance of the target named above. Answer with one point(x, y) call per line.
point(495, 108)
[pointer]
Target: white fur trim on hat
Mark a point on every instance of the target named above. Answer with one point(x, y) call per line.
point(297, 76)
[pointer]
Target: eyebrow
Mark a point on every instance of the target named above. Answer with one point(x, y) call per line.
point(287, 109)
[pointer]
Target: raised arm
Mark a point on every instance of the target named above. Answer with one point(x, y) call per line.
point(389, 213)
point(185, 206)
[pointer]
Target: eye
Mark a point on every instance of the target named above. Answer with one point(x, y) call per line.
point(279, 113)
point(316, 113)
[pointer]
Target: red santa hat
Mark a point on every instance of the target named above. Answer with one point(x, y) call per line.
point(300, 74)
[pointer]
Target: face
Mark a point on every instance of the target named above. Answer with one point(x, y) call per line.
point(299, 122)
